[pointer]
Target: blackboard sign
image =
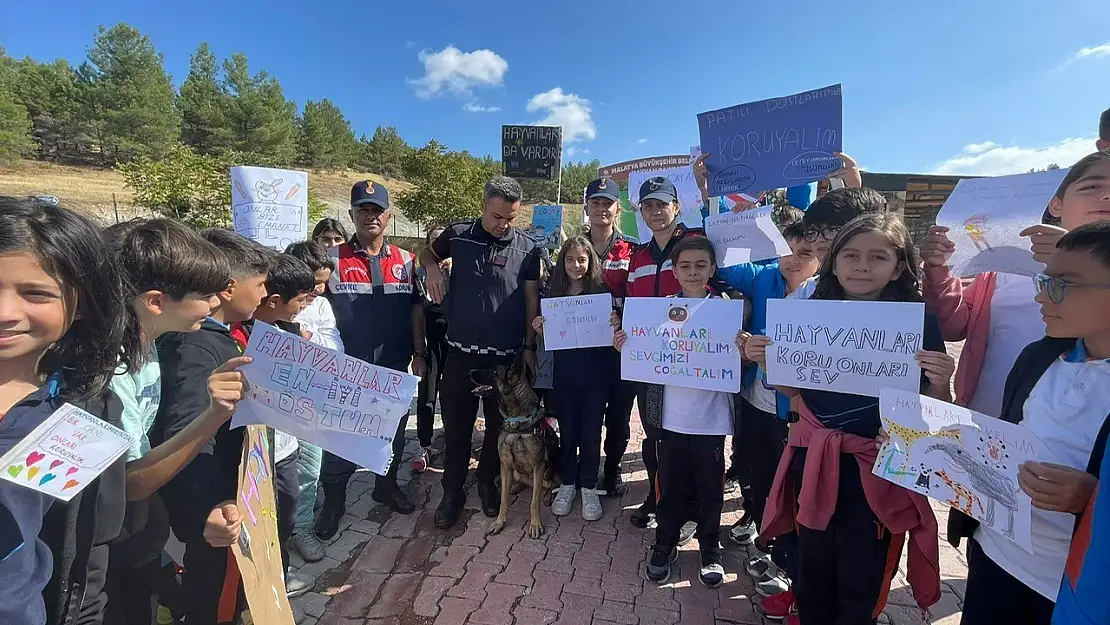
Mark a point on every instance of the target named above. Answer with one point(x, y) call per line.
point(532, 151)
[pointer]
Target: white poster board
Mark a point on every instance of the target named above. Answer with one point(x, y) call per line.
point(689, 197)
point(961, 457)
point(577, 321)
point(985, 215)
point(340, 403)
point(682, 342)
point(844, 346)
point(744, 237)
point(270, 206)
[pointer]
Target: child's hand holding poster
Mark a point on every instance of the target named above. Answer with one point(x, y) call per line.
point(961, 457)
point(64, 453)
point(844, 346)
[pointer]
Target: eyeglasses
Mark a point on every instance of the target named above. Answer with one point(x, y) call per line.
point(1057, 288)
point(811, 235)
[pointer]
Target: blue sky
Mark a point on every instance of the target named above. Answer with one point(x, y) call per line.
point(980, 86)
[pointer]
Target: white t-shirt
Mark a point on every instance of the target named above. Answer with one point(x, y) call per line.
point(695, 411)
point(1015, 322)
point(318, 319)
point(759, 396)
point(1065, 410)
point(805, 289)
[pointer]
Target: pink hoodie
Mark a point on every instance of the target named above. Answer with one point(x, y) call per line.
point(964, 315)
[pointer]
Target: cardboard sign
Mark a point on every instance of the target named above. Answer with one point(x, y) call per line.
point(340, 403)
point(257, 553)
point(577, 321)
point(961, 457)
point(985, 215)
point(744, 237)
point(850, 347)
point(532, 151)
point(64, 453)
point(630, 219)
point(769, 144)
point(547, 223)
point(270, 206)
point(682, 342)
point(689, 196)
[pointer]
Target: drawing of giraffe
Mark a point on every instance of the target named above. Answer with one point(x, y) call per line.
point(975, 227)
point(962, 493)
point(911, 436)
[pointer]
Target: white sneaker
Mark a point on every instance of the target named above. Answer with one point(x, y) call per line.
point(591, 504)
point(564, 500)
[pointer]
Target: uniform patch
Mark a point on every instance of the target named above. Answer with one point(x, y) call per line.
point(399, 273)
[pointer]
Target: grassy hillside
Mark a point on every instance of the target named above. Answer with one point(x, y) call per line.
point(92, 190)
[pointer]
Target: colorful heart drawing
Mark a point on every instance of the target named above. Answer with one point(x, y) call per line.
point(54, 464)
point(15, 470)
point(562, 334)
point(46, 478)
point(71, 471)
point(34, 457)
point(31, 473)
point(70, 484)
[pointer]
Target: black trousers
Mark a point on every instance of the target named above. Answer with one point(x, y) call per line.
point(135, 571)
point(211, 585)
point(435, 332)
point(618, 414)
point(690, 463)
point(845, 570)
point(993, 596)
point(757, 446)
point(580, 411)
point(460, 411)
point(288, 495)
point(336, 471)
point(649, 447)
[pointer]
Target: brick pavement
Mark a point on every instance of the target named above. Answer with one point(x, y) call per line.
point(388, 569)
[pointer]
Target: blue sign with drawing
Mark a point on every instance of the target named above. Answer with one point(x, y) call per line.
point(547, 223)
point(769, 144)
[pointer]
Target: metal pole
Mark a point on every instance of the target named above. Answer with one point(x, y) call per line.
point(559, 191)
point(115, 206)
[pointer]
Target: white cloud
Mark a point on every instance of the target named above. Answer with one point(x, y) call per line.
point(453, 71)
point(474, 107)
point(571, 151)
point(1094, 52)
point(641, 141)
point(567, 110)
point(410, 44)
point(991, 159)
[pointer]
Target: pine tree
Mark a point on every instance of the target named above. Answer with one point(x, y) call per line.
point(258, 117)
point(326, 139)
point(15, 124)
point(50, 93)
point(384, 154)
point(203, 105)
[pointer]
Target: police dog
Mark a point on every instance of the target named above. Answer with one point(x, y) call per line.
point(527, 445)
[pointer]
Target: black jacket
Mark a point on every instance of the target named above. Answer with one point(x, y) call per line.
point(187, 359)
point(1028, 369)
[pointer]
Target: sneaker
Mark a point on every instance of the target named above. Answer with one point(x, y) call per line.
point(772, 584)
point(687, 532)
point(388, 493)
point(420, 460)
point(759, 566)
point(297, 584)
point(327, 525)
point(643, 516)
point(778, 607)
point(744, 531)
point(731, 485)
point(613, 484)
point(308, 546)
point(711, 574)
point(591, 504)
point(659, 566)
point(564, 499)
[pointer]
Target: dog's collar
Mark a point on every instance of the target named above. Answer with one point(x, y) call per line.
point(525, 420)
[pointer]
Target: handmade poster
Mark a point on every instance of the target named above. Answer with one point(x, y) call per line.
point(340, 403)
point(961, 457)
point(985, 215)
point(532, 151)
point(746, 236)
point(270, 206)
point(64, 453)
point(844, 346)
point(769, 144)
point(682, 342)
point(547, 223)
point(257, 552)
point(689, 196)
point(577, 321)
point(630, 215)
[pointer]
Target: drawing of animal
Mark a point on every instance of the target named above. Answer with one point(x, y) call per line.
point(962, 493)
point(911, 436)
point(267, 191)
point(527, 445)
point(975, 227)
point(998, 489)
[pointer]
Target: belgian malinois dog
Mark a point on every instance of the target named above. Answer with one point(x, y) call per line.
point(527, 445)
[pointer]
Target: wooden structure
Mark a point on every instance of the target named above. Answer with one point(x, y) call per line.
point(918, 197)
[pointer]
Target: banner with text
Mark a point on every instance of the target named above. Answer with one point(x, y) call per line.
point(270, 206)
point(985, 215)
point(769, 144)
point(745, 237)
point(349, 407)
point(689, 196)
point(577, 321)
point(532, 151)
point(844, 346)
point(682, 342)
point(630, 218)
point(547, 225)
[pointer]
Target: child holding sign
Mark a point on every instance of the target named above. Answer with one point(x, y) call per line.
point(62, 331)
point(691, 444)
point(582, 380)
point(852, 524)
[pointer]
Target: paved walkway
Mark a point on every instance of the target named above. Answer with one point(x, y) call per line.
point(389, 569)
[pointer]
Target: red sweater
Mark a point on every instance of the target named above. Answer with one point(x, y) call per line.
point(649, 268)
point(899, 509)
